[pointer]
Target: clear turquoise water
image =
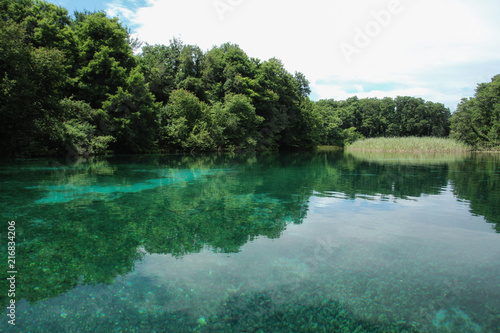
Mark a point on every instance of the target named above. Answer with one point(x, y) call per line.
point(309, 242)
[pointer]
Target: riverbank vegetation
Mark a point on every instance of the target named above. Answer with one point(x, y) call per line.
point(477, 120)
point(74, 85)
point(410, 157)
point(410, 144)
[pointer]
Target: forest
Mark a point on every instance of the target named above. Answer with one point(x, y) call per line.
point(81, 85)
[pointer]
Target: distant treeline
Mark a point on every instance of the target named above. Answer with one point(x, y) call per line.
point(72, 85)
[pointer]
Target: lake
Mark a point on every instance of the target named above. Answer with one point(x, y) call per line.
point(266, 242)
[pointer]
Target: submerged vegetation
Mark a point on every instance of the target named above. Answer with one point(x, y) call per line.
point(260, 313)
point(410, 144)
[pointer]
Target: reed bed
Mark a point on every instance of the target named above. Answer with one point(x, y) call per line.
point(409, 144)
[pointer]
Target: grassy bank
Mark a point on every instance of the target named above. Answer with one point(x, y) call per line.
point(409, 157)
point(409, 144)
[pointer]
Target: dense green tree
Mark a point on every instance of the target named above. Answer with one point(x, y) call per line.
point(438, 121)
point(133, 115)
point(108, 77)
point(81, 134)
point(241, 122)
point(374, 123)
point(184, 123)
point(189, 73)
point(160, 64)
point(372, 117)
point(350, 113)
point(238, 70)
point(406, 111)
point(302, 84)
point(477, 120)
point(35, 45)
point(31, 84)
point(461, 121)
point(419, 118)
point(96, 31)
point(213, 74)
point(45, 25)
point(281, 102)
point(339, 121)
point(330, 132)
point(105, 58)
point(55, 69)
point(101, 76)
point(16, 109)
point(307, 126)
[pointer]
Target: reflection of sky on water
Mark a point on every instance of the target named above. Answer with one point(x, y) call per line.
point(373, 255)
point(443, 209)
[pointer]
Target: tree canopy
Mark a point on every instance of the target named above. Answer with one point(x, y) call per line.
point(71, 84)
point(477, 119)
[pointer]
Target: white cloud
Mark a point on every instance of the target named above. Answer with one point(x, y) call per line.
point(119, 10)
point(423, 48)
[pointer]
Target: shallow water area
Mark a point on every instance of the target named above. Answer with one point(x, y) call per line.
point(305, 242)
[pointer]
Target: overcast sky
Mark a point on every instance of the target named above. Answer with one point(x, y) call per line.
point(435, 49)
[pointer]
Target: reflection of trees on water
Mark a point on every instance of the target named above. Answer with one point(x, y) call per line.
point(355, 177)
point(477, 180)
point(474, 178)
point(94, 239)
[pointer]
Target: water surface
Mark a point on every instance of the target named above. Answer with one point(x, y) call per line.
point(309, 242)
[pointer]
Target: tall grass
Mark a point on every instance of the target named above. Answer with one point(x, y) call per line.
point(410, 157)
point(409, 144)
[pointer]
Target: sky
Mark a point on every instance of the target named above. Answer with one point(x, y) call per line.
point(438, 50)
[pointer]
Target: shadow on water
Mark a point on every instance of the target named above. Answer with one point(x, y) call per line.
point(89, 223)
